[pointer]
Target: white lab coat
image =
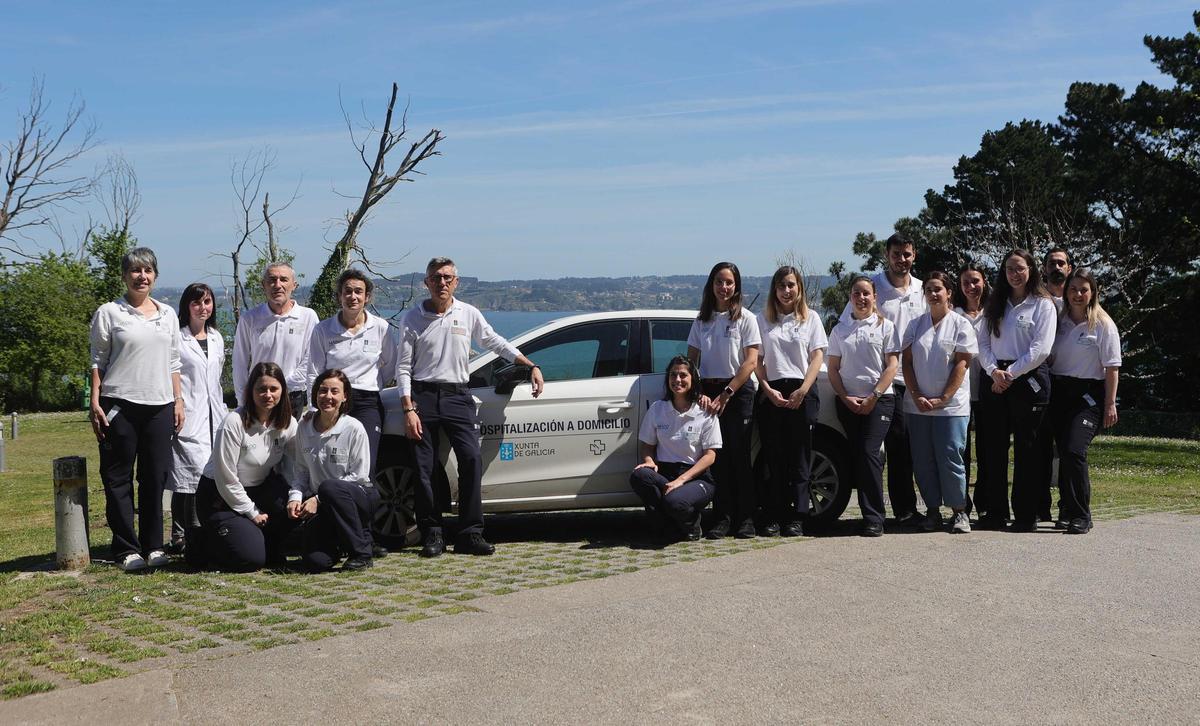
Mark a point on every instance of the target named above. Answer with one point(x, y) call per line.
point(203, 405)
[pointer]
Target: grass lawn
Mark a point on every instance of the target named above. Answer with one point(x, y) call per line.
point(58, 630)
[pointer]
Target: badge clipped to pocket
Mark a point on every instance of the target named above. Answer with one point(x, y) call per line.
point(1037, 387)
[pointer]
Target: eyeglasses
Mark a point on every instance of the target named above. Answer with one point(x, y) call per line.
point(442, 278)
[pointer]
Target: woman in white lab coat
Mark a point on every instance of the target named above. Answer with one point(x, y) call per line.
point(202, 357)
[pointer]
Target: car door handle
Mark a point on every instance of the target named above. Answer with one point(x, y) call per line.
point(617, 407)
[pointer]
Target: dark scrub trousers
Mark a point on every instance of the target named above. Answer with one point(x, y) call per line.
point(735, 499)
point(232, 541)
point(901, 491)
point(342, 525)
point(1017, 412)
point(367, 407)
point(448, 408)
point(865, 435)
point(1077, 415)
point(678, 511)
point(143, 434)
point(786, 435)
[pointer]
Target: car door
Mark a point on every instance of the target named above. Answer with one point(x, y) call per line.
point(667, 339)
point(575, 445)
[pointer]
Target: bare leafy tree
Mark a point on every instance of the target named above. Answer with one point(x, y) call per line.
point(380, 182)
point(37, 178)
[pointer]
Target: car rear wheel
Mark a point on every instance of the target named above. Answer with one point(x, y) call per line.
point(395, 523)
point(830, 483)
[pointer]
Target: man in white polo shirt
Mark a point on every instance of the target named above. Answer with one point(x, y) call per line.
point(277, 331)
point(431, 373)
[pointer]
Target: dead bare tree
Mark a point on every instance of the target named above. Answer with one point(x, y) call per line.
point(119, 193)
point(37, 181)
point(380, 183)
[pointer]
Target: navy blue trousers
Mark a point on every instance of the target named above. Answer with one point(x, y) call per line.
point(443, 410)
point(682, 507)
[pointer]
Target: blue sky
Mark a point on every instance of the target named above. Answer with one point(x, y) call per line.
point(582, 139)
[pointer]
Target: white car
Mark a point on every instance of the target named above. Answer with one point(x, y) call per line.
point(574, 446)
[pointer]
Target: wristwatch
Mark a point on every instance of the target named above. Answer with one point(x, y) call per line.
point(875, 394)
point(411, 409)
point(728, 391)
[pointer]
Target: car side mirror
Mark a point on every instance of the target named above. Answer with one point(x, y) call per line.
point(508, 378)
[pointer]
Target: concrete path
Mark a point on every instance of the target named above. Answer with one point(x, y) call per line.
point(987, 627)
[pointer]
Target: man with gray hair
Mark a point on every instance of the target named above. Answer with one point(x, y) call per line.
point(276, 331)
point(431, 373)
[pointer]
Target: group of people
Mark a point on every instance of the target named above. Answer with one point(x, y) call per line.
point(912, 363)
point(293, 465)
point(1030, 358)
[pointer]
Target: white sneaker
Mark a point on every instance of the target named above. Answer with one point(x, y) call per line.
point(132, 563)
point(158, 558)
point(961, 524)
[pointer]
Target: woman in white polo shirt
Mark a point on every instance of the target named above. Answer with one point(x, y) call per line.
point(724, 343)
point(863, 360)
point(361, 345)
point(679, 442)
point(1087, 363)
point(1019, 326)
point(970, 297)
point(136, 406)
point(793, 347)
point(332, 491)
point(937, 349)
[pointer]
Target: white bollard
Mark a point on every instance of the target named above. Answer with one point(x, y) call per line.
point(71, 513)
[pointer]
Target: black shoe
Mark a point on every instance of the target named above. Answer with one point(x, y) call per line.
point(379, 551)
point(872, 530)
point(746, 530)
point(175, 547)
point(910, 519)
point(770, 529)
point(719, 530)
point(358, 563)
point(1023, 525)
point(794, 528)
point(694, 533)
point(1079, 525)
point(473, 544)
point(1044, 516)
point(1061, 523)
point(433, 545)
point(995, 524)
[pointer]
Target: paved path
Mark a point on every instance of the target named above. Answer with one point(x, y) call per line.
point(989, 627)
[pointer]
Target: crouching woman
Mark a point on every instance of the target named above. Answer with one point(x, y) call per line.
point(332, 492)
point(679, 443)
point(241, 498)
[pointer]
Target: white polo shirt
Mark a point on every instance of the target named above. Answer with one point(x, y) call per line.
point(242, 459)
point(787, 344)
point(341, 452)
point(934, 349)
point(722, 343)
point(437, 347)
point(136, 355)
point(976, 370)
point(679, 437)
point(899, 305)
point(862, 346)
point(1026, 336)
point(367, 356)
point(1083, 353)
point(281, 339)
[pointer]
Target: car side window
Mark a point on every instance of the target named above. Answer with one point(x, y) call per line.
point(591, 350)
point(668, 338)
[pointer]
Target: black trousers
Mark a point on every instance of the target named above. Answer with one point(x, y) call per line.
point(1018, 413)
point(342, 525)
point(183, 514)
point(232, 541)
point(975, 436)
point(901, 491)
point(735, 499)
point(142, 434)
point(449, 409)
point(1043, 451)
point(865, 435)
point(367, 407)
point(1076, 422)
point(682, 507)
point(786, 436)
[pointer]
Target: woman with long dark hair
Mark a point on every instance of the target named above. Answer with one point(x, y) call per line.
point(679, 442)
point(241, 499)
point(202, 358)
point(970, 296)
point(863, 360)
point(1087, 363)
point(793, 348)
point(332, 490)
point(724, 343)
point(1020, 322)
point(136, 406)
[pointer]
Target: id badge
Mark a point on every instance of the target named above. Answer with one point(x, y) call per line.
point(1087, 398)
point(1037, 388)
point(112, 412)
